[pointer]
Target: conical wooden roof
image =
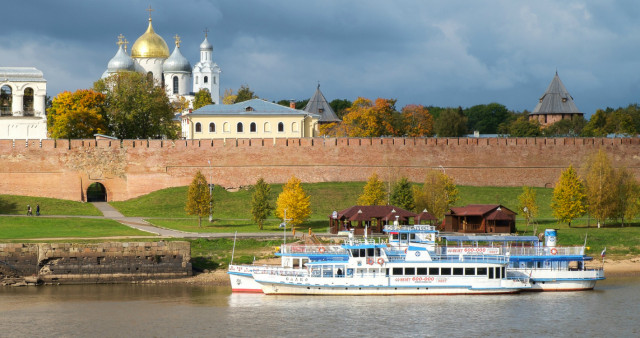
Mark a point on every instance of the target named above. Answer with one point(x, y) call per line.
point(556, 100)
point(319, 105)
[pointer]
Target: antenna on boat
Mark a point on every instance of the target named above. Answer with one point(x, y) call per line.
point(234, 247)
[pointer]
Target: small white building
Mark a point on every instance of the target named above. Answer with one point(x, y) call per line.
point(23, 91)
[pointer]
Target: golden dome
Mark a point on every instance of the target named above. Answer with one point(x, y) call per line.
point(150, 45)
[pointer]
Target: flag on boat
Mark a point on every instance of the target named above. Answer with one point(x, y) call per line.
point(604, 251)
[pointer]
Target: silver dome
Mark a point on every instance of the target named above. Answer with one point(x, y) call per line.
point(121, 61)
point(205, 45)
point(176, 62)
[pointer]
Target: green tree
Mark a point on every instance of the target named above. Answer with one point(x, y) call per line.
point(374, 192)
point(523, 127)
point(485, 118)
point(202, 98)
point(627, 205)
point(402, 194)
point(528, 206)
point(260, 202)
point(198, 198)
point(80, 114)
point(340, 106)
point(600, 186)
point(566, 127)
point(295, 201)
point(437, 195)
point(136, 107)
point(451, 123)
point(245, 94)
point(569, 199)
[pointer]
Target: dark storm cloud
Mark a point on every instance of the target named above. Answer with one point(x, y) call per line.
point(448, 53)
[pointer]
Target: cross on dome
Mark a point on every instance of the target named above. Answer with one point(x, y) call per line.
point(206, 32)
point(120, 40)
point(177, 39)
point(149, 10)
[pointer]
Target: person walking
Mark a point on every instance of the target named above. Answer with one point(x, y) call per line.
point(38, 209)
point(29, 213)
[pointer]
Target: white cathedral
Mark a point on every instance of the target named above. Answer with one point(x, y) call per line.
point(150, 55)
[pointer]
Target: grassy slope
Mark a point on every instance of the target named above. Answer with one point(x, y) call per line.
point(43, 227)
point(17, 205)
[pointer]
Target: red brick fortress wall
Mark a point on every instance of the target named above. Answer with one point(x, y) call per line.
point(130, 168)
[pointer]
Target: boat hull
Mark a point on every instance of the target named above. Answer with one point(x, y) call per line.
point(559, 280)
point(284, 289)
point(242, 280)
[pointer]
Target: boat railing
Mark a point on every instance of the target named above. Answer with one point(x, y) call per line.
point(280, 271)
point(313, 249)
point(473, 258)
point(417, 227)
point(545, 251)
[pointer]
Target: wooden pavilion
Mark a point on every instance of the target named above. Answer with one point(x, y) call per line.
point(480, 218)
point(374, 217)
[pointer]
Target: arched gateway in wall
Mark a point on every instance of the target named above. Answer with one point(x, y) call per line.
point(96, 192)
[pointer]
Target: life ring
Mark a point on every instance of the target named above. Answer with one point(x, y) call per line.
point(405, 250)
point(370, 261)
point(321, 250)
point(380, 261)
point(554, 251)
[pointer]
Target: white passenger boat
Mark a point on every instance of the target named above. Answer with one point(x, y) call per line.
point(550, 267)
point(413, 266)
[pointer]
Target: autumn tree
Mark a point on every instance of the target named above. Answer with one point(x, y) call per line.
point(295, 201)
point(228, 97)
point(180, 104)
point(451, 123)
point(260, 202)
point(80, 114)
point(627, 205)
point(402, 194)
point(136, 106)
point(198, 198)
point(600, 186)
point(245, 94)
point(569, 199)
point(437, 195)
point(373, 192)
point(202, 98)
point(528, 206)
point(416, 121)
point(368, 119)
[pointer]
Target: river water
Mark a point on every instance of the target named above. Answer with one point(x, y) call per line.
point(174, 310)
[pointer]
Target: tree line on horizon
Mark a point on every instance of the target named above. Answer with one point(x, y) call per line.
point(130, 105)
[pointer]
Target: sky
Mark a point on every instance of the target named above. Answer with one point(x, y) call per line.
point(440, 53)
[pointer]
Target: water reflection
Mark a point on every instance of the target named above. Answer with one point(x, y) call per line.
point(172, 310)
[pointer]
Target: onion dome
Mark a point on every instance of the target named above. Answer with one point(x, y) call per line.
point(121, 61)
point(150, 45)
point(176, 62)
point(205, 45)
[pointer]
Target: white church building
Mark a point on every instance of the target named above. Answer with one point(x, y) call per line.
point(23, 91)
point(150, 55)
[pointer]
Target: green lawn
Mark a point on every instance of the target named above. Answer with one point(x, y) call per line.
point(17, 205)
point(227, 225)
point(216, 253)
point(44, 227)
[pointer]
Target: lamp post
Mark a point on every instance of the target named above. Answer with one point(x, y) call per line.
point(210, 192)
point(283, 225)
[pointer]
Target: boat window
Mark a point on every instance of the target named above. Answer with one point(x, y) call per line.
point(482, 271)
point(445, 271)
point(490, 273)
point(349, 272)
point(422, 271)
point(503, 274)
point(378, 252)
point(457, 271)
point(315, 271)
point(370, 252)
point(387, 272)
point(412, 236)
point(327, 271)
point(355, 252)
point(403, 237)
point(362, 253)
point(397, 271)
point(410, 271)
point(497, 273)
point(434, 271)
point(394, 236)
point(469, 271)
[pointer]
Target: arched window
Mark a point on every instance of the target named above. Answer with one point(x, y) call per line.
point(27, 103)
point(196, 80)
point(206, 79)
point(225, 127)
point(175, 85)
point(252, 127)
point(294, 127)
point(6, 100)
point(267, 127)
point(150, 76)
point(280, 127)
point(212, 127)
point(198, 127)
point(239, 128)
point(214, 80)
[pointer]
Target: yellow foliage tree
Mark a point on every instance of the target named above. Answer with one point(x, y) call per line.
point(295, 200)
point(229, 97)
point(437, 195)
point(601, 186)
point(80, 114)
point(569, 199)
point(374, 192)
point(198, 198)
point(528, 206)
point(366, 119)
point(417, 121)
